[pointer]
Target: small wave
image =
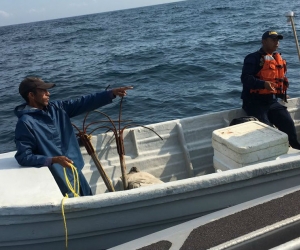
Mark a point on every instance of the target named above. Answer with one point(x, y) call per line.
point(159, 70)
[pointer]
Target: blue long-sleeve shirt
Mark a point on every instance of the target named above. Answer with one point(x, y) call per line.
point(43, 134)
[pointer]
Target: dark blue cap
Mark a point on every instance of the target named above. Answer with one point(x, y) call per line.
point(272, 34)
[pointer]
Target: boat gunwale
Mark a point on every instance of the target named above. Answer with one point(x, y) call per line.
point(160, 190)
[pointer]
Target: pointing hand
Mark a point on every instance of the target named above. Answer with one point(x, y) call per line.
point(121, 91)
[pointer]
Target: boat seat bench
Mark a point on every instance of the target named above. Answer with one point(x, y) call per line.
point(25, 185)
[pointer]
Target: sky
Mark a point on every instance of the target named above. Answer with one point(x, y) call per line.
point(25, 11)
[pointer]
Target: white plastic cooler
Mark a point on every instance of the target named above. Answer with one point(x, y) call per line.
point(247, 143)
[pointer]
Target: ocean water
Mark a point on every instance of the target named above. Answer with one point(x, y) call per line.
point(183, 59)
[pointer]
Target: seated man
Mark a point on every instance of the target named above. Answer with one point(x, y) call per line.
point(264, 80)
point(44, 134)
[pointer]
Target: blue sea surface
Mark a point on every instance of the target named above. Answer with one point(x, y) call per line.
point(183, 59)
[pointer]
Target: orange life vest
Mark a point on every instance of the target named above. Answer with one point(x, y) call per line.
point(273, 70)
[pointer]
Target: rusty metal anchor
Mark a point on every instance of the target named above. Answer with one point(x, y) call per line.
point(118, 134)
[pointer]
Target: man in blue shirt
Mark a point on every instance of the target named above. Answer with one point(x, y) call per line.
point(44, 135)
point(263, 78)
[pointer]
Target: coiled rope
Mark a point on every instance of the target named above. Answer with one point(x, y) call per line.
point(74, 190)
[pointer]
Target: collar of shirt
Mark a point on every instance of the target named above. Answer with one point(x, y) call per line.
point(28, 107)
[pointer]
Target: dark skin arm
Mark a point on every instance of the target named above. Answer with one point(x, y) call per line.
point(63, 161)
point(269, 86)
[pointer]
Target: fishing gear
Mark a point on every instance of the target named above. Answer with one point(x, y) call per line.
point(117, 133)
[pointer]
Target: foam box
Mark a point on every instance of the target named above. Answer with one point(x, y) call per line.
point(247, 143)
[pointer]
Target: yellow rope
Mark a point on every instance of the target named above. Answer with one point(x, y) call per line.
point(65, 223)
point(76, 181)
point(73, 191)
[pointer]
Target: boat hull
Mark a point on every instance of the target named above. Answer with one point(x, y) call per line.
point(101, 222)
point(31, 217)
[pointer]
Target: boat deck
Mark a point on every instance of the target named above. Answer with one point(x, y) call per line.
point(262, 223)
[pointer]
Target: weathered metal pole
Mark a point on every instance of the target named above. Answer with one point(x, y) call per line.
point(91, 151)
point(121, 152)
point(290, 18)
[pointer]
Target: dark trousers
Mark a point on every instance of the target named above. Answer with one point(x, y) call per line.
point(273, 114)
